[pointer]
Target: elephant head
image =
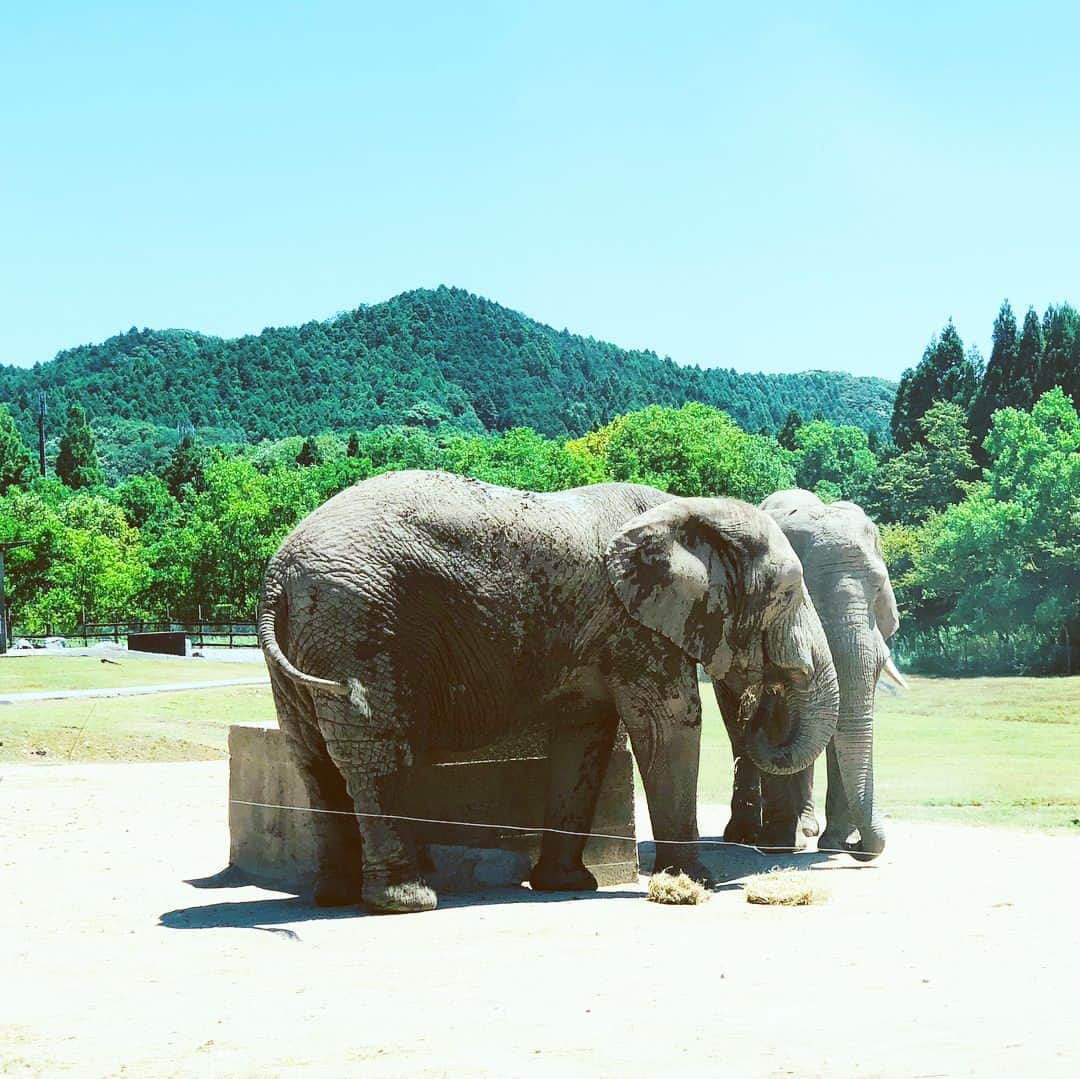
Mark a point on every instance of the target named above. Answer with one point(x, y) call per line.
point(718, 579)
point(845, 573)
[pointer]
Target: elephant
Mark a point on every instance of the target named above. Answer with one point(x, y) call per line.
point(848, 582)
point(419, 612)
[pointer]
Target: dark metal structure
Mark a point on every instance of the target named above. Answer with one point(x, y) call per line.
point(43, 411)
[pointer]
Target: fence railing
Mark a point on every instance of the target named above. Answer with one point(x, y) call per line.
point(216, 634)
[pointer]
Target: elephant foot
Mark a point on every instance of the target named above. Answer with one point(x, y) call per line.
point(338, 890)
point(870, 845)
point(398, 897)
point(551, 877)
point(808, 824)
point(742, 831)
point(695, 870)
point(859, 849)
point(860, 853)
point(782, 836)
point(833, 841)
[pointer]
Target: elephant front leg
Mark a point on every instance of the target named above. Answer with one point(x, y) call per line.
point(744, 826)
point(664, 724)
point(784, 806)
point(579, 750)
point(373, 755)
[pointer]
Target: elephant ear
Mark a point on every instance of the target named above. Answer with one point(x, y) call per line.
point(672, 569)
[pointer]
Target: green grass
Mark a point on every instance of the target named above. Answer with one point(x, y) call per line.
point(21, 673)
point(191, 725)
point(994, 751)
point(991, 751)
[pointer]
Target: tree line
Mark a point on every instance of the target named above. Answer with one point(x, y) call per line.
point(441, 359)
point(980, 533)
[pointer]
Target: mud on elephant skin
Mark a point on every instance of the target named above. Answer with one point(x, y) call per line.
point(845, 573)
point(421, 612)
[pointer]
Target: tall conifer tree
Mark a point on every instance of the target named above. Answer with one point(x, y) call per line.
point(1000, 372)
point(945, 373)
point(16, 464)
point(77, 463)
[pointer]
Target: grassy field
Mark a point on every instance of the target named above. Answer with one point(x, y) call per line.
point(191, 725)
point(23, 673)
point(994, 751)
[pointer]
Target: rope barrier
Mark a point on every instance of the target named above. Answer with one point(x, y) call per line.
point(767, 851)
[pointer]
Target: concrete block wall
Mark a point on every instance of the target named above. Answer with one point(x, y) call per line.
point(501, 784)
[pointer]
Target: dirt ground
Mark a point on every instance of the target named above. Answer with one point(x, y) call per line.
point(957, 954)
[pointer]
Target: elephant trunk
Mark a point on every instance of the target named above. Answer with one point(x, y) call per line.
point(798, 647)
point(859, 659)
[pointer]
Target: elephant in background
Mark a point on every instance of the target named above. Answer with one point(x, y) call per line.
point(848, 582)
point(419, 612)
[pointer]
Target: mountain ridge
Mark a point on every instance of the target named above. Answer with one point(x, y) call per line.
point(426, 357)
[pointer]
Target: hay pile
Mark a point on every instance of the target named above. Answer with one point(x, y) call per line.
point(784, 888)
point(679, 890)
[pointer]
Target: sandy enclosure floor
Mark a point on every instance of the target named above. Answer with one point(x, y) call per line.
point(959, 954)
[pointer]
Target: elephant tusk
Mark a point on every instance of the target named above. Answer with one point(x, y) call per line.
point(894, 674)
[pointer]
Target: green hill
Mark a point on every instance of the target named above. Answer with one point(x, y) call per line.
point(430, 358)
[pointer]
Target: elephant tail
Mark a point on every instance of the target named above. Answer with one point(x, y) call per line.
point(272, 650)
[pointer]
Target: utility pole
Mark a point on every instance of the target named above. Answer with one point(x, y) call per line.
point(42, 412)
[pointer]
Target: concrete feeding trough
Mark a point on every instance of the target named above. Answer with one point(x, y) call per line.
point(503, 783)
point(165, 644)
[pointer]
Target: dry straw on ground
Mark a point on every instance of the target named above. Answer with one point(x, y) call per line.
point(681, 889)
point(784, 888)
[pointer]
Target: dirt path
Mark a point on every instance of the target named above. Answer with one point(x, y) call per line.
point(958, 955)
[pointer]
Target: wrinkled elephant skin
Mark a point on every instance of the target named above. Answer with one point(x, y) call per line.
point(420, 612)
point(848, 582)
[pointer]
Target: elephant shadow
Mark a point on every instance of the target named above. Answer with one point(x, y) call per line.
point(727, 863)
point(290, 907)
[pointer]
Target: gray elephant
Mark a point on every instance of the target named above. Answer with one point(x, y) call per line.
point(421, 611)
point(845, 574)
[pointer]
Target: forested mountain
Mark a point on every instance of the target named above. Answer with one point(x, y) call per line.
point(426, 359)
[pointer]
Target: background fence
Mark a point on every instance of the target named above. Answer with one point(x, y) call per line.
point(215, 634)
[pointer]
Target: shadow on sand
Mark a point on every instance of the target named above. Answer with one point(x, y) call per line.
point(727, 864)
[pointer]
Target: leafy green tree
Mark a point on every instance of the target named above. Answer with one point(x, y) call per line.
point(147, 503)
point(834, 461)
point(82, 560)
point(77, 463)
point(945, 373)
point(519, 458)
point(16, 464)
point(932, 474)
point(1002, 567)
point(695, 450)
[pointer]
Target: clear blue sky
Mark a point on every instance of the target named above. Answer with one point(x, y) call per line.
point(768, 187)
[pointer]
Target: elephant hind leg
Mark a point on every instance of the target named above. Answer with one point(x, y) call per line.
point(338, 849)
point(580, 748)
point(371, 750)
